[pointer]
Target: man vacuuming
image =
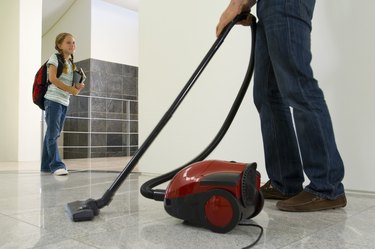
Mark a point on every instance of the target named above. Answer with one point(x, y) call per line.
point(296, 126)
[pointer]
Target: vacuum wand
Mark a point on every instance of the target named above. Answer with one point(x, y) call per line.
point(87, 210)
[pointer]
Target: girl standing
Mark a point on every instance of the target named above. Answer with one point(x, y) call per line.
point(57, 101)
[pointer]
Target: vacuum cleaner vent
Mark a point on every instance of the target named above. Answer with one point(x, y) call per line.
point(250, 185)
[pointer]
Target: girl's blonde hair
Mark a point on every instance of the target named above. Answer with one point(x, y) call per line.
point(59, 40)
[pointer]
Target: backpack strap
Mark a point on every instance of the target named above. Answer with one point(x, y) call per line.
point(60, 66)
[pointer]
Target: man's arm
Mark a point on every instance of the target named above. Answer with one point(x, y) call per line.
point(234, 8)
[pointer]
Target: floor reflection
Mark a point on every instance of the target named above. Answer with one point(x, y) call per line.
point(32, 215)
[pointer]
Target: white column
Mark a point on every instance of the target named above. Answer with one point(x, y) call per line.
point(29, 127)
point(9, 27)
point(21, 52)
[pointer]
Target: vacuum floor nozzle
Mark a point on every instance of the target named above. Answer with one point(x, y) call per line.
point(82, 210)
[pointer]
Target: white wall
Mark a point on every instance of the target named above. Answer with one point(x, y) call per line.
point(170, 49)
point(103, 31)
point(343, 49)
point(114, 33)
point(77, 21)
point(21, 47)
point(175, 38)
point(30, 53)
point(9, 12)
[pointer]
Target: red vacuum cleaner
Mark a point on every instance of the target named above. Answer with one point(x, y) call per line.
point(213, 194)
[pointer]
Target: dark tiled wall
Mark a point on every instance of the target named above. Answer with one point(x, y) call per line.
point(103, 120)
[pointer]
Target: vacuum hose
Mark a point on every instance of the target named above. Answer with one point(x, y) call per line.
point(158, 194)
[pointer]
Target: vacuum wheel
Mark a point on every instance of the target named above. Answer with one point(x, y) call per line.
point(220, 211)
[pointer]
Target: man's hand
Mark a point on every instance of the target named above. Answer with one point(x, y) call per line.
point(235, 7)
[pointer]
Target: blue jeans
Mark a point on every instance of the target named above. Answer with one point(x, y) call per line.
point(55, 117)
point(296, 125)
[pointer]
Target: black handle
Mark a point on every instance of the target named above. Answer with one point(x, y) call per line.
point(107, 197)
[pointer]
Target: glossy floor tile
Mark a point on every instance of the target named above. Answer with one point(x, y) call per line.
point(32, 215)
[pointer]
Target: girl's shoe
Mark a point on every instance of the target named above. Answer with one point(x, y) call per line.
point(61, 172)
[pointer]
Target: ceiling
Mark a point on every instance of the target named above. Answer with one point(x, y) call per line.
point(53, 10)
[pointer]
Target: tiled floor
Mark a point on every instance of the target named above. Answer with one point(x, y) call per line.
point(32, 216)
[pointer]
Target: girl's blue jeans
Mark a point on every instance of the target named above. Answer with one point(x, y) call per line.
point(55, 116)
point(295, 122)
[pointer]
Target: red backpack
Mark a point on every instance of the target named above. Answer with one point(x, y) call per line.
point(41, 81)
